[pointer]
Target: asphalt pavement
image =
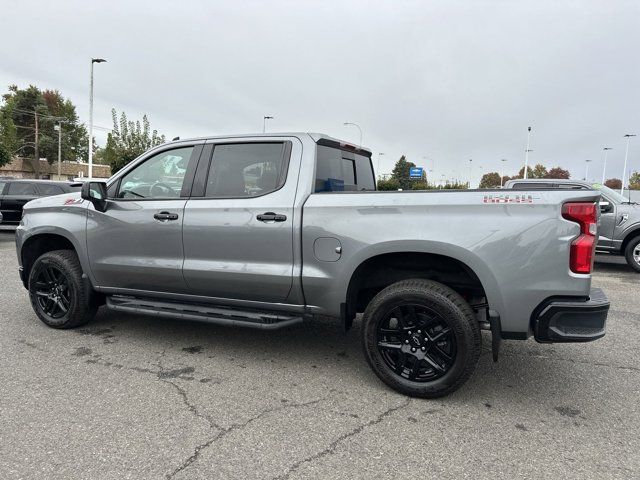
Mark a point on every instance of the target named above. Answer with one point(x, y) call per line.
point(138, 397)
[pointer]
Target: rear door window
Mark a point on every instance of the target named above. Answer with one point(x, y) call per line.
point(21, 188)
point(247, 169)
point(342, 171)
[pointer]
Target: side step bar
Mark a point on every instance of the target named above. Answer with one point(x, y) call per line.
point(205, 313)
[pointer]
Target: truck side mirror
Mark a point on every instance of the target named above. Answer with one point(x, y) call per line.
point(605, 207)
point(96, 193)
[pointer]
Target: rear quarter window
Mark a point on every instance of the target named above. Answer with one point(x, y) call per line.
point(21, 188)
point(342, 171)
point(48, 190)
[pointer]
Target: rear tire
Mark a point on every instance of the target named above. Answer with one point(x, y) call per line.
point(421, 338)
point(632, 253)
point(57, 292)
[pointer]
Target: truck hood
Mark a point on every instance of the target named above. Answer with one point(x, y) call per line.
point(64, 199)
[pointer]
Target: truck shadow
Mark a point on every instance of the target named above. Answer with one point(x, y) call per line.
point(321, 353)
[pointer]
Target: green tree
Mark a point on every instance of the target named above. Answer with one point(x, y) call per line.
point(128, 140)
point(521, 173)
point(5, 155)
point(490, 180)
point(614, 183)
point(23, 109)
point(634, 181)
point(421, 185)
point(559, 173)
point(400, 173)
point(75, 140)
point(456, 186)
point(390, 184)
point(539, 171)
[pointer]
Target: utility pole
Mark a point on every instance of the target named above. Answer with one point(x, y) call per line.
point(59, 129)
point(586, 173)
point(36, 150)
point(93, 60)
point(526, 153)
point(626, 155)
point(503, 160)
point(264, 122)
point(604, 167)
point(359, 129)
point(380, 154)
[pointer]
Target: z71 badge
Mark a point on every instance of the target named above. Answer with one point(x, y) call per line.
point(508, 198)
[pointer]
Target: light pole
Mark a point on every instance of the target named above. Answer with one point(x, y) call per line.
point(380, 154)
point(604, 166)
point(503, 160)
point(526, 153)
point(626, 155)
point(264, 122)
point(470, 171)
point(93, 60)
point(358, 127)
point(58, 127)
point(586, 173)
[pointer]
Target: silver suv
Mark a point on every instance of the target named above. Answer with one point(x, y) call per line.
point(619, 218)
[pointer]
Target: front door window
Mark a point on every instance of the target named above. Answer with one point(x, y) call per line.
point(159, 177)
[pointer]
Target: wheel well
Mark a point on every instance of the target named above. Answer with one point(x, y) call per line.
point(628, 239)
point(377, 273)
point(39, 245)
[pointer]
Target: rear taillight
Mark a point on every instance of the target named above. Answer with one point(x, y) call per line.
point(583, 246)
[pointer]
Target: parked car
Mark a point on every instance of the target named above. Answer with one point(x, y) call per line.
point(619, 218)
point(269, 231)
point(14, 194)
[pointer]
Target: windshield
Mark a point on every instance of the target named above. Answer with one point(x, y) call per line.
point(612, 195)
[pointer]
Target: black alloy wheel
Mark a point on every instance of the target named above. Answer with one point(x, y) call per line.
point(52, 291)
point(416, 342)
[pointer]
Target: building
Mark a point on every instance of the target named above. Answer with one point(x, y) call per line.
point(22, 168)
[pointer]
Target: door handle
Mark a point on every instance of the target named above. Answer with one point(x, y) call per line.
point(271, 217)
point(165, 216)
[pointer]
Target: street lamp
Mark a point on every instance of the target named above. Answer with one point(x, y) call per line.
point(380, 154)
point(470, 171)
point(586, 173)
point(626, 155)
point(503, 160)
point(604, 166)
point(358, 127)
point(93, 60)
point(264, 122)
point(526, 153)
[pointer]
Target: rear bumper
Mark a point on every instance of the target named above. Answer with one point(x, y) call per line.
point(571, 320)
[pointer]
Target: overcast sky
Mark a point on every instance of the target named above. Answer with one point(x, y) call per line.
point(445, 80)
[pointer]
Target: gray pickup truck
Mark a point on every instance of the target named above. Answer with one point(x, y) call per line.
point(619, 231)
point(268, 231)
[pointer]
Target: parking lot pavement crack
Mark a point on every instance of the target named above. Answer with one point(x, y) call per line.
point(334, 445)
point(235, 427)
point(192, 408)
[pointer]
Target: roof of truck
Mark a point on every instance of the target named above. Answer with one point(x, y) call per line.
point(316, 137)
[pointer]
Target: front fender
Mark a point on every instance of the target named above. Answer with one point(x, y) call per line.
point(68, 222)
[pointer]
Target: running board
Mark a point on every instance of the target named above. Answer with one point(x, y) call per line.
point(205, 313)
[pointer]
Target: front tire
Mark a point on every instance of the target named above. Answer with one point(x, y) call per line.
point(632, 253)
point(57, 292)
point(421, 338)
